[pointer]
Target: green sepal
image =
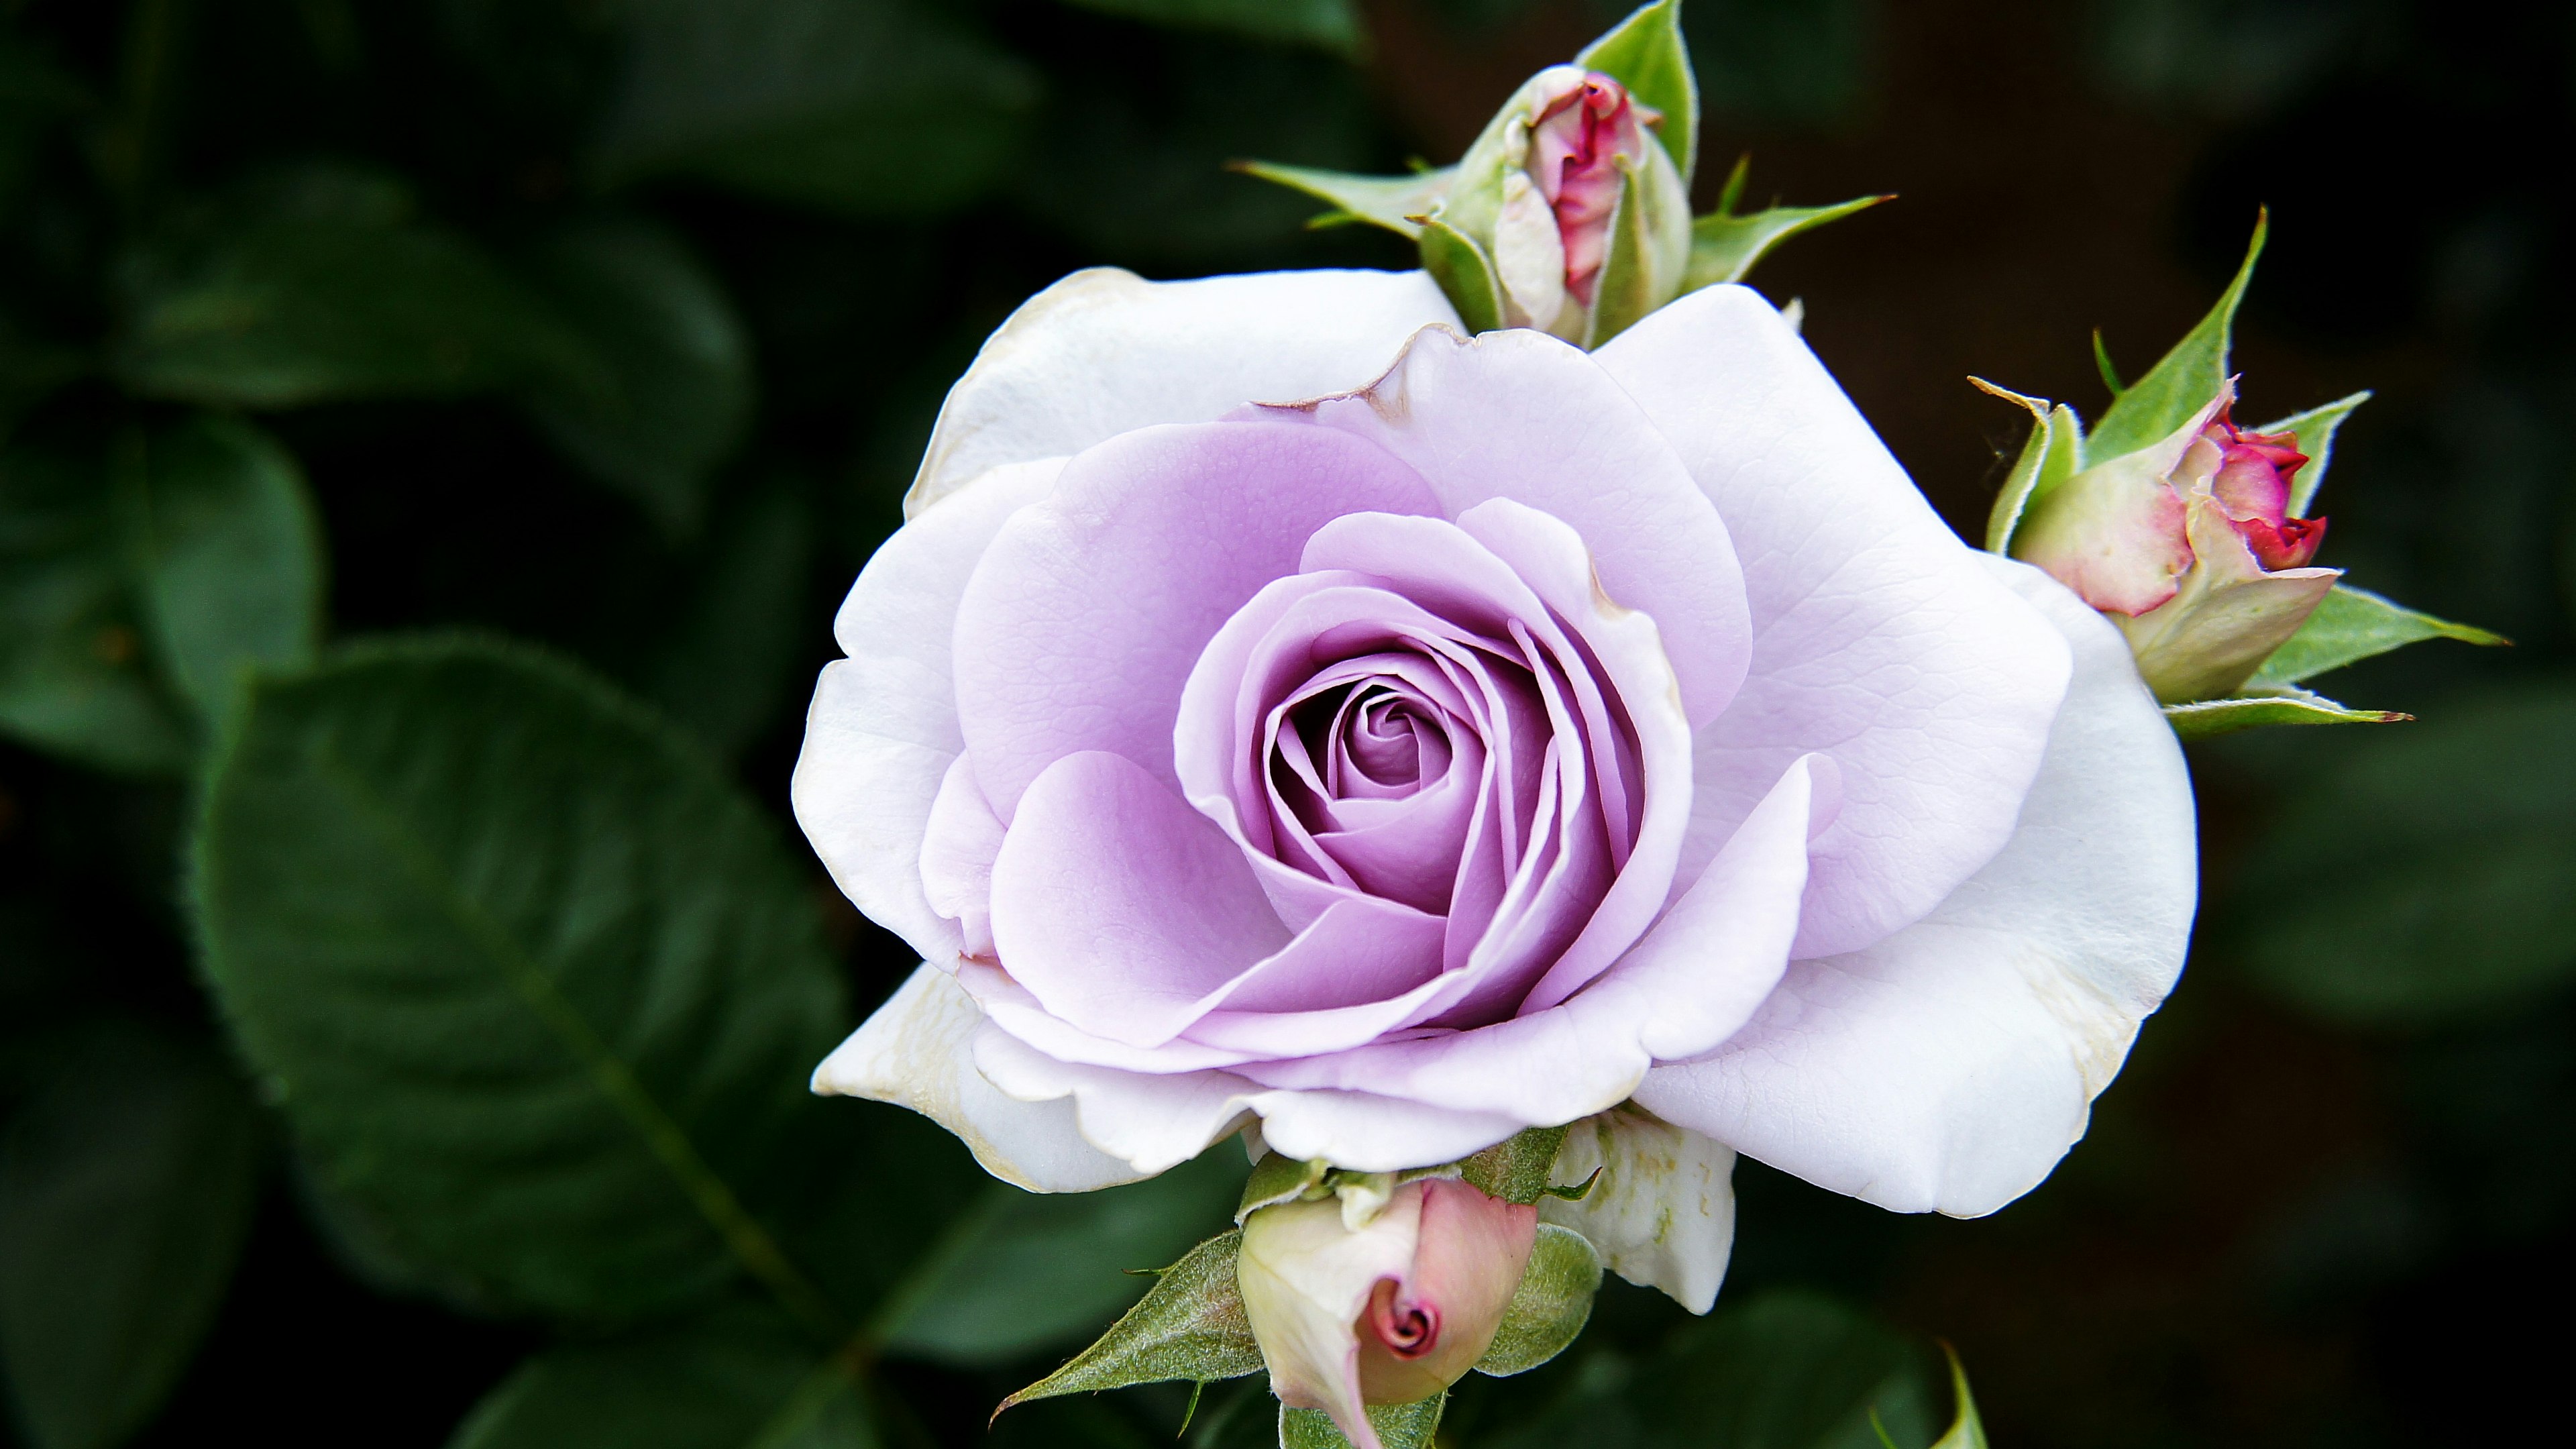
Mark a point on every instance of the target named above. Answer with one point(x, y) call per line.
point(1399, 1426)
point(1397, 203)
point(2202, 719)
point(1516, 1168)
point(1724, 246)
point(1276, 1179)
point(2315, 432)
point(1966, 1431)
point(2354, 624)
point(1189, 1325)
point(2054, 453)
point(1464, 272)
point(1627, 289)
point(1551, 1305)
point(1647, 54)
point(2185, 379)
point(2102, 363)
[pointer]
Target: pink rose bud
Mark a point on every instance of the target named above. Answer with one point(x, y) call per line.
point(1540, 191)
point(2189, 546)
point(1354, 1307)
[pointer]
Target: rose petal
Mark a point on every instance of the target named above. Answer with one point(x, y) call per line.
point(1104, 351)
point(1882, 640)
point(916, 1052)
point(1950, 1066)
point(883, 726)
point(1085, 615)
point(1662, 1212)
point(1519, 415)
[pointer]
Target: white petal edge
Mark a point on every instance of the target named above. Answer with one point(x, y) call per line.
point(1662, 1212)
point(916, 1051)
point(1950, 1067)
point(1104, 351)
point(882, 729)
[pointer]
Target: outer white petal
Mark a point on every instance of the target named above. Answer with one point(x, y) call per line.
point(916, 1052)
point(1105, 351)
point(1662, 1213)
point(1950, 1066)
point(882, 729)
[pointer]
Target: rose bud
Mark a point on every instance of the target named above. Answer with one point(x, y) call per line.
point(1354, 1308)
point(1540, 192)
point(2189, 545)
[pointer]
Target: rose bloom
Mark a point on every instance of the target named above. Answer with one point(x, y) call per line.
point(1282, 712)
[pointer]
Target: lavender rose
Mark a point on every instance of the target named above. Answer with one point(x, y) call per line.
point(1281, 711)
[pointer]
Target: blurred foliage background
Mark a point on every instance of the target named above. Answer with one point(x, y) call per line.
point(356, 341)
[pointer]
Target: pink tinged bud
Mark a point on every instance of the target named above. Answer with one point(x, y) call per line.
point(1387, 1310)
point(1576, 145)
point(1565, 143)
point(2252, 483)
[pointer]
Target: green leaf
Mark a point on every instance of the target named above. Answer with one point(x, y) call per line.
point(1646, 53)
point(666, 387)
point(2184, 380)
point(738, 648)
point(2053, 454)
point(126, 1188)
point(229, 550)
point(1189, 1325)
point(1464, 272)
point(2202, 719)
point(1399, 1426)
point(1332, 25)
point(1551, 1305)
point(1626, 291)
point(739, 1376)
point(2423, 879)
point(865, 108)
point(535, 986)
point(2353, 624)
point(1516, 1168)
point(76, 672)
point(1966, 1430)
point(1724, 248)
point(1393, 202)
point(1789, 1370)
point(1026, 1271)
point(321, 286)
point(2315, 431)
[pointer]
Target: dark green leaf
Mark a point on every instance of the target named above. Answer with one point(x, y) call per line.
point(75, 662)
point(320, 287)
point(729, 665)
point(2204, 719)
point(864, 107)
point(1516, 1168)
point(126, 1188)
point(740, 1377)
point(2424, 878)
point(1551, 1305)
point(668, 388)
point(1189, 1325)
point(1026, 1271)
point(2353, 624)
point(2184, 380)
point(1646, 53)
point(1725, 248)
point(230, 554)
point(535, 986)
point(1399, 1426)
point(1331, 24)
point(1788, 1370)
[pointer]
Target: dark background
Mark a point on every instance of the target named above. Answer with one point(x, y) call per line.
point(2330, 1199)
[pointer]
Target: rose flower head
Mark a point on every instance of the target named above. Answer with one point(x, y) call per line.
point(1282, 711)
point(2190, 545)
point(1358, 1302)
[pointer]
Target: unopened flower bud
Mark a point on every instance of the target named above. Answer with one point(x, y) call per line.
point(2189, 546)
point(1540, 192)
point(1389, 1307)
